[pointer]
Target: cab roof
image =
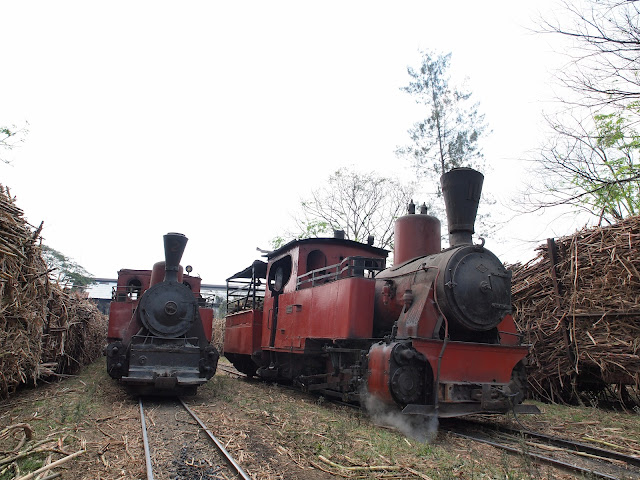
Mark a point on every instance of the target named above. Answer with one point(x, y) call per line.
point(328, 241)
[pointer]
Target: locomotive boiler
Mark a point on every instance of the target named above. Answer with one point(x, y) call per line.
point(160, 328)
point(433, 334)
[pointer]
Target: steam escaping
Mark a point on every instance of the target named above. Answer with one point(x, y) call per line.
point(417, 427)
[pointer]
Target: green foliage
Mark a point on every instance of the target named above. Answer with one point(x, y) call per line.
point(613, 184)
point(449, 136)
point(592, 166)
point(69, 273)
point(277, 242)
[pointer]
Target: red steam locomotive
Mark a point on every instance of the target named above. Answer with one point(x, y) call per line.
point(160, 328)
point(432, 334)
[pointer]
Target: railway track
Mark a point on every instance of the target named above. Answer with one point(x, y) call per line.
point(231, 371)
point(562, 453)
point(176, 458)
point(589, 460)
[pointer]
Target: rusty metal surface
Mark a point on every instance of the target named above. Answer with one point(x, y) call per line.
point(437, 325)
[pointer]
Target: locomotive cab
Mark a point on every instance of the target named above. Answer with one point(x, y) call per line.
point(317, 299)
point(243, 324)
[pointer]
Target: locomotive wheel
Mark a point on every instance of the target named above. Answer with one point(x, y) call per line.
point(410, 379)
point(517, 388)
point(247, 367)
point(243, 363)
point(407, 384)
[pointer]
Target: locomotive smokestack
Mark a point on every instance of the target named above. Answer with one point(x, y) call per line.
point(174, 245)
point(461, 188)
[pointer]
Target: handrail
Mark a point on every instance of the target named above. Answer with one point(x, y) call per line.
point(133, 293)
point(244, 295)
point(354, 266)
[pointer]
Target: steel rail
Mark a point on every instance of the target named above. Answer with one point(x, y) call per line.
point(542, 458)
point(557, 441)
point(219, 445)
point(145, 441)
point(231, 371)
point(577, 446)
point(221, 448)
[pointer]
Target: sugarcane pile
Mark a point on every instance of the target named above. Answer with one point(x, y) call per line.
point(44, 330)
point(217, 334)
point(577, 302)
point(74, 334)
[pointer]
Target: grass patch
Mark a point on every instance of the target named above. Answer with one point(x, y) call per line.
point(311, 428)
point(277, 427)
point(54, 413)
point(22, 466)
point(220, 388)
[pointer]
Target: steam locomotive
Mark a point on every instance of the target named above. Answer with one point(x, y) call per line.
point(160, 328)
point(433, 334)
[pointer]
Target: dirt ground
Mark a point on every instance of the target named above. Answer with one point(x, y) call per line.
point(272, 432)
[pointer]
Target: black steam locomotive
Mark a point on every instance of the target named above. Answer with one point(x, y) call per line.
point(160, 328)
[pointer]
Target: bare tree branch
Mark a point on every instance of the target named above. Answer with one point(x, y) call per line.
point(10, 137)
point(361, 204)
point(603, 66)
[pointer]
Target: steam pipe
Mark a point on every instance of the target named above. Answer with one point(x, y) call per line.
point(174, 245)
point(461, 188)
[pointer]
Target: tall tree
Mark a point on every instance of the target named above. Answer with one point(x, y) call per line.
point(449, 136)
point(360, 204)
point(590, 159)
point(69, 273)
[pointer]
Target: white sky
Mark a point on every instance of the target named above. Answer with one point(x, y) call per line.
point(214, 118)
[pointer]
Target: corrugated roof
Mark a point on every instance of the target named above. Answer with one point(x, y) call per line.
point(101, 290)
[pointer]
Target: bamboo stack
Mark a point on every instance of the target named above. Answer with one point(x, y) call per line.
point(584, 328)
point(44, 330)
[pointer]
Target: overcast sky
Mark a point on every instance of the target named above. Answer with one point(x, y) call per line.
point(214, 118)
